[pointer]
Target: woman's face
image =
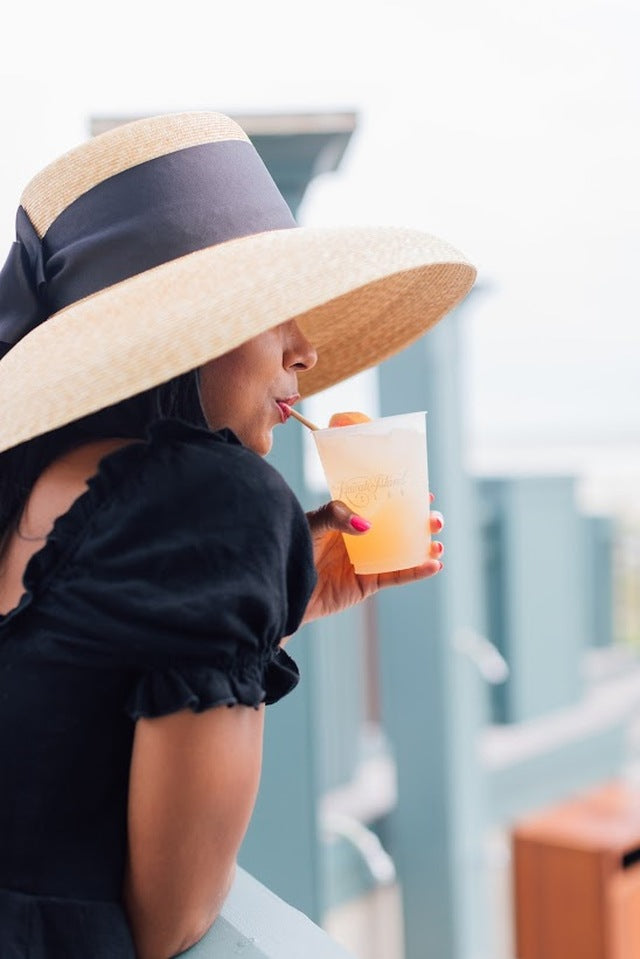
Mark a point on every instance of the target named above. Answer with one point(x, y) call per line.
point(241, 389)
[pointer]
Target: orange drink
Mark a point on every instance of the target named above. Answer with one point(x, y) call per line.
point(379, 469)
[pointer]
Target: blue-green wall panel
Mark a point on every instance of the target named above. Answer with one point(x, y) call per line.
point(433, 697)
point(599, 559)
point(537, 597)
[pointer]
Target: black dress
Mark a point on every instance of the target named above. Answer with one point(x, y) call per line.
point(168, 584)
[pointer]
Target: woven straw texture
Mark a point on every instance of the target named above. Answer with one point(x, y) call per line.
point(63, 181)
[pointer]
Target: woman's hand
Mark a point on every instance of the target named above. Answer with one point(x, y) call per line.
point(339, 586)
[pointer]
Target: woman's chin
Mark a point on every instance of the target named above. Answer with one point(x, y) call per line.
point(260, 443)
point(268, 443)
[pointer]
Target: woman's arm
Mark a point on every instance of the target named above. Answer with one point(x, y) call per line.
point(194, 780)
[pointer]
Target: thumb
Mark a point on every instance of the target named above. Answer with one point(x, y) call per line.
point(337, 516)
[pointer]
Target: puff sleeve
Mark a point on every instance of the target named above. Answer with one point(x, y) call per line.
point(191, 572)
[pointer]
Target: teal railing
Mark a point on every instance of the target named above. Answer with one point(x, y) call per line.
point(255, 924)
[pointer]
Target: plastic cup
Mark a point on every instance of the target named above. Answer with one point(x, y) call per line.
point(379, 469)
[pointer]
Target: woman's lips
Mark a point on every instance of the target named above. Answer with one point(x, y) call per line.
point(284, 411)
point(284, 404)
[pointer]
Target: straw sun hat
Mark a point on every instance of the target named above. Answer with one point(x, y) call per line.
point(161, 244)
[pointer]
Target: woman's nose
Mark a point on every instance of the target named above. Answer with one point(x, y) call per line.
point(301, 354)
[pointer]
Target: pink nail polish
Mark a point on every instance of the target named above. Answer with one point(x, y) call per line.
point(360, 524)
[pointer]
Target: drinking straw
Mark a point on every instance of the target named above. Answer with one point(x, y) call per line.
point(301, 419)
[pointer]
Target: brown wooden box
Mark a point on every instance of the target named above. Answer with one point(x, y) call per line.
point(577, 878)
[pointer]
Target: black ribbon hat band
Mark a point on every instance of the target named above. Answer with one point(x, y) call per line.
point(152, 213)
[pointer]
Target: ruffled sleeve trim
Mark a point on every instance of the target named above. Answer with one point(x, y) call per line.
point(161, 692)
point(281, 676)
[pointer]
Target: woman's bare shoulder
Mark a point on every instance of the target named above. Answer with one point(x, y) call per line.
point(61, 483)
point(52, 495)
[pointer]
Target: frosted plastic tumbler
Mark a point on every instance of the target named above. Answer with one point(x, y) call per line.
point(379, 469)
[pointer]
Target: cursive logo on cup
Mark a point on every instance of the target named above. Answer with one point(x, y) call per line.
point(360, 491)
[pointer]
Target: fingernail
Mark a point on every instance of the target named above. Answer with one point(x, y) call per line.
point(441, 566)
point(437, 522)
point(360, 524)
point(432, 496)
point(438, 548)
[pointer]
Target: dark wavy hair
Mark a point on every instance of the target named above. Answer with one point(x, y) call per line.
point(20, 466)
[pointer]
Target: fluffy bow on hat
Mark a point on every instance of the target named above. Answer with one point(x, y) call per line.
point(164, 243)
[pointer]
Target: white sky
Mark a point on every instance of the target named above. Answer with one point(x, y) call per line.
point(512, 130)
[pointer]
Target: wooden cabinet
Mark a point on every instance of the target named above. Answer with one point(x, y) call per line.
point(577, 878)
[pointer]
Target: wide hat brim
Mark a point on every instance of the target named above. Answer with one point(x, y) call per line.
point(165, 243)
point(359, 294)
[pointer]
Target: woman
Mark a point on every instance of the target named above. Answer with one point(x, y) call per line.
point(158, 308)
